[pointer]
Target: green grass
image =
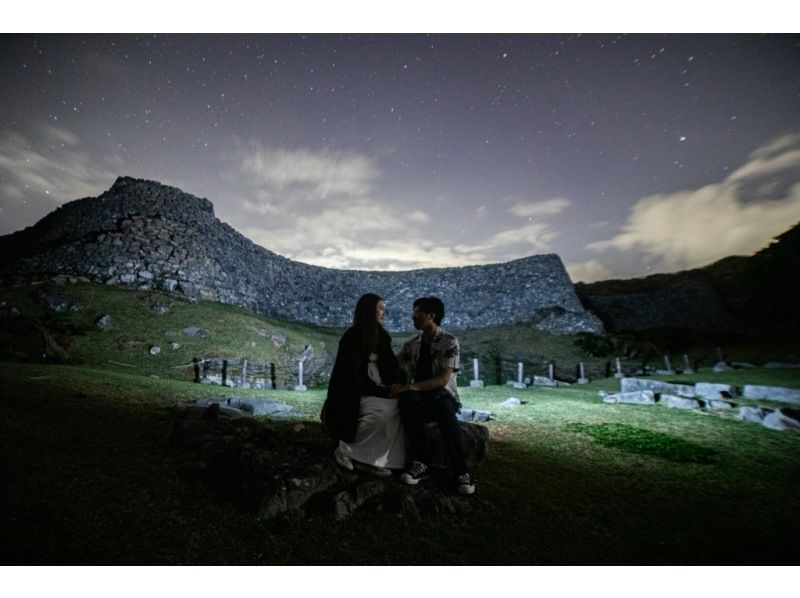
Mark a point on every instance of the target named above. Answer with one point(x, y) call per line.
point(569, 480)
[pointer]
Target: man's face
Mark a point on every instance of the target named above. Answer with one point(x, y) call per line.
point(420, 318)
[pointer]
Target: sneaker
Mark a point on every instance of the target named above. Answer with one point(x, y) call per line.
point(343, 460)
point(415, 473)
point(381, 472)
point(466, 485)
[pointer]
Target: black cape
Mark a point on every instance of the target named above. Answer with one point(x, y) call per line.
point(349, 381)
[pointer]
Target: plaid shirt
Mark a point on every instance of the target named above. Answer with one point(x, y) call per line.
point(444, 354)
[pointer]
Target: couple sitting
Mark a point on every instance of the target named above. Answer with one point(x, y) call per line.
point(378, 418)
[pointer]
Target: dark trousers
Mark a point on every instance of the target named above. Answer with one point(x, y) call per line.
point(419, 407)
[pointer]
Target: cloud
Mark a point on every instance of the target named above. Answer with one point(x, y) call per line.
point(41, 173)
point(737, 216)
point(588, 271)
point(540, 208)
point(303, 174)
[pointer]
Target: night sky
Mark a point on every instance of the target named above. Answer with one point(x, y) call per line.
point(625, 154)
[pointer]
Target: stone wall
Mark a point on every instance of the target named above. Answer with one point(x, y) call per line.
point(146, 235)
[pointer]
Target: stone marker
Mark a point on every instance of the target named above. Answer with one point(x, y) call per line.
point(582, 378)
point(551, 371)
point(512, 402)
point(618, 374)
point(300, 386)
point(476, 382)
point(667, 371)
point(687, 369)
point(155, 350)
point(772, 393)
point(519, 384)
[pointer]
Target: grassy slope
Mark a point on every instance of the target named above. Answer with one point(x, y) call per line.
point(90, 483)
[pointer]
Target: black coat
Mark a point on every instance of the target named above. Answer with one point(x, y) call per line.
point(349, 382)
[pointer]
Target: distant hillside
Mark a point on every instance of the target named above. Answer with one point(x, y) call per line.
point(144, 235)
point(736, 295)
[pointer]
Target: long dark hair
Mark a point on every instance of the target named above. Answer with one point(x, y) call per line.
point(370, 335)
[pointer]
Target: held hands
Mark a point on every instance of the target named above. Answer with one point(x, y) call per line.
point(398, 389)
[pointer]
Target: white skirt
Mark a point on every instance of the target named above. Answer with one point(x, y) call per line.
point(379, 437)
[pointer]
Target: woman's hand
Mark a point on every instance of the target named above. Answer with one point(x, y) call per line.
point(399, 389)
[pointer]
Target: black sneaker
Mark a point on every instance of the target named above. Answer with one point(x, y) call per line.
point(415, 473)
point(466, 485)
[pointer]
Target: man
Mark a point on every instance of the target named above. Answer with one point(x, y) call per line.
point(431, 358)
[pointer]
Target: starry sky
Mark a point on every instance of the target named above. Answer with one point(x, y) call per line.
point(626, 155)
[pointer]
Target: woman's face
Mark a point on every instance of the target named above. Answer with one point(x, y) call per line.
point(380, 308)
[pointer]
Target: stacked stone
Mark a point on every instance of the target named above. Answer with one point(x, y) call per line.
point(150, 236)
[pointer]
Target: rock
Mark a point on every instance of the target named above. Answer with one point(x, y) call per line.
point(469, 415)
point(772, 393)
point(753, 414)
point(708, 390)
point(517, 385)
point(196, 332)
point(287, 470)
point(476, 384)
point(278, 339)
point(155, 350)
point(542, 381)
point(474, 439)
point(158, 307)
point(721, 366)
point(717, 404)
point(656, 386)
point(58, 303)
point(174, 346)
point(512, 402)
point(679, 402)
point(784, 418)
point(254, 406)
point(105, 323)
point(639, 397)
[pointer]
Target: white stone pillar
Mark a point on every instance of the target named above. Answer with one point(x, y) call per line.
point(582, 379)
point(300, 386)
point(476, 382)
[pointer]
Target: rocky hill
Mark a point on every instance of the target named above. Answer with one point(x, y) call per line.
point(739, 295)
point(145, 235)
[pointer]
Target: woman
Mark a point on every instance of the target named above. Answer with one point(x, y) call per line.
point(359, 410)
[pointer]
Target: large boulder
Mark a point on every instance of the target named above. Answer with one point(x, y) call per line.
point(639, 397)
point(708, 390)
point(286, 469)
point(656, 386)
point(679, 402)
point(474, 439)
point(772, 393)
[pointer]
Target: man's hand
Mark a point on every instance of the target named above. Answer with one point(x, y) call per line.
point(398, 389)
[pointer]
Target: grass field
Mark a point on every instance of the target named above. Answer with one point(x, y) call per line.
point(569, 480)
